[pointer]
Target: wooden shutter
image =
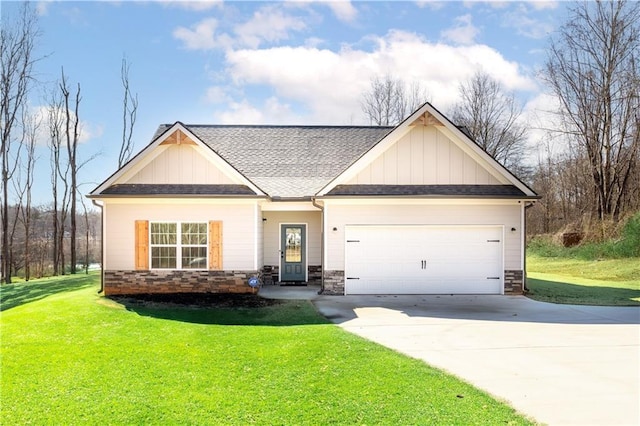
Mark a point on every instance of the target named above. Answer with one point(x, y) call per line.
point(142, 245)
point(215, 245)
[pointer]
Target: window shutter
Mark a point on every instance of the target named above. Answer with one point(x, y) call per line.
point(142, 245)
point(215, 245)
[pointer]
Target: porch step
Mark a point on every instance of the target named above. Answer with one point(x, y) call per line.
point(292, 284)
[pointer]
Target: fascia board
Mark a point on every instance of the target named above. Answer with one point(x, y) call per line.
point(141, 159)
point(151, 151)
point(491, 165)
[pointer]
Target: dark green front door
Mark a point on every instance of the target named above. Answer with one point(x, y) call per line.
point(293, 256)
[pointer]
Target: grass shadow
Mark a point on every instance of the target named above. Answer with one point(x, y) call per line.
point(575, 294)
point(12, 295)
point(249, 310)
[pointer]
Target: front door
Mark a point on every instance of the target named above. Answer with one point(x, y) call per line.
point(293, 262)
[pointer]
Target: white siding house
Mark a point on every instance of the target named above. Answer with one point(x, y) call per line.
point(419, 208)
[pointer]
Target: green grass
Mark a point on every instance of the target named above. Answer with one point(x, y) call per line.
point(22, 292)
point(609, 282)
point(75, 357)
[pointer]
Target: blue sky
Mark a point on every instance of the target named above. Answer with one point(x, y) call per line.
point(292, 62)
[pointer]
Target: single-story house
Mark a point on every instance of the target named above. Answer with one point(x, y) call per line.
point(414, 209)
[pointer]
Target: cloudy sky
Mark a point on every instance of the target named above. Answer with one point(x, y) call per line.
point(292, 62)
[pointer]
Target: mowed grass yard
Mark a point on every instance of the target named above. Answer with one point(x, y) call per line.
point(73, 356)
point(606, 282)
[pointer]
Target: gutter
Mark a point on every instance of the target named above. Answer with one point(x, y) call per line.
point(321, 208)
point(525, 289)
point(100, 206)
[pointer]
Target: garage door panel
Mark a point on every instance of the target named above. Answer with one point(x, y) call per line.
point(423, 259)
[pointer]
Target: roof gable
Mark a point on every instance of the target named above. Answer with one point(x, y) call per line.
point(175, 157)
point(461, 160)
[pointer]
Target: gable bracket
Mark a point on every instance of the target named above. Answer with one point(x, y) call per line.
point(426, 119)
point(178, 138)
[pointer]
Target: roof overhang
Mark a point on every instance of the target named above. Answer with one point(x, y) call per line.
point(428, 115)
point(178, 134)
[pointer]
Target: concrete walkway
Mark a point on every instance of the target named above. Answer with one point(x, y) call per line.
point(559, 364)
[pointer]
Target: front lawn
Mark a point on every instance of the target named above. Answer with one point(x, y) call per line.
point(76, 357)
point(608, 282)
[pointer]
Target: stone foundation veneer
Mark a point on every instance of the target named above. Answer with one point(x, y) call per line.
point(513, 282)
point(333, 283)
point(159, 281)
point(270, 274)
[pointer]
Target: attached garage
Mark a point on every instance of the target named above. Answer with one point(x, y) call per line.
point(424, 259)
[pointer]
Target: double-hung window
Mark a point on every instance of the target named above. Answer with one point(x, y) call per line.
point(178, 245)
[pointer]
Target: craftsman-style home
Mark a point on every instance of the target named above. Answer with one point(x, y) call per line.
point(414, 209)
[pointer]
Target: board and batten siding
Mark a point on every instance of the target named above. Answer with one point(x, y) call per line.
point(272, 234)
point(340, 215)
point(180, 164)
point(424, 156)
point(259, 247)
point(238, 237)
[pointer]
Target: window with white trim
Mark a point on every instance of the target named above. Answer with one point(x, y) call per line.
point(178, 245)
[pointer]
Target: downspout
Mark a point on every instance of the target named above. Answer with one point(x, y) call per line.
point(321, 208)
point(524, 247)
point(100, 206)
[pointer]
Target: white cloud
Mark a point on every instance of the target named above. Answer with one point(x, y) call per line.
point(431, 4)
point(201, 36)
point(540, 113)
point(217, 95)
point(525, 24)
point(267, 24)
point(88, 131)
point(463, 32)
point(194, 5)
point(42, 8)
point(330, 84)
point(343, 9)
point(243, 112)
point(542, 5)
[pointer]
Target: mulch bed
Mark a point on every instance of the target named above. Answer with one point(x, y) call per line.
point(196, 300)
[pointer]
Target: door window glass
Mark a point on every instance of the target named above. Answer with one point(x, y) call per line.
point(293, 248)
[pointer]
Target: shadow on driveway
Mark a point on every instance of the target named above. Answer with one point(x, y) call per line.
point(340, 309)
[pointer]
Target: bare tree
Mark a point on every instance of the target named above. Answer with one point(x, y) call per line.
point(129, 112)
point(59, 174)
point(72, 134)
point(390, 100)
point(17, 41)
point(492, 117)
point(593, 69)
point(24, 184)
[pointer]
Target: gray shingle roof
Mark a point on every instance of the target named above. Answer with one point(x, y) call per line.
point(288, 161)
point(177, 190)
point(496, 191)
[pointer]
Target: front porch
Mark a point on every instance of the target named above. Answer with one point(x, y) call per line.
point(291, 243)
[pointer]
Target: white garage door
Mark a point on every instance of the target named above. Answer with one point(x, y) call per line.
point(423, 260)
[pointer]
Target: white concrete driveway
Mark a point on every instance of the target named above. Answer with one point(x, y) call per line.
point(559, 364)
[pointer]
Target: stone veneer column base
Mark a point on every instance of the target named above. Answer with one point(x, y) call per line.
point(513, 282)
point(333, 283)
point(159, 281)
